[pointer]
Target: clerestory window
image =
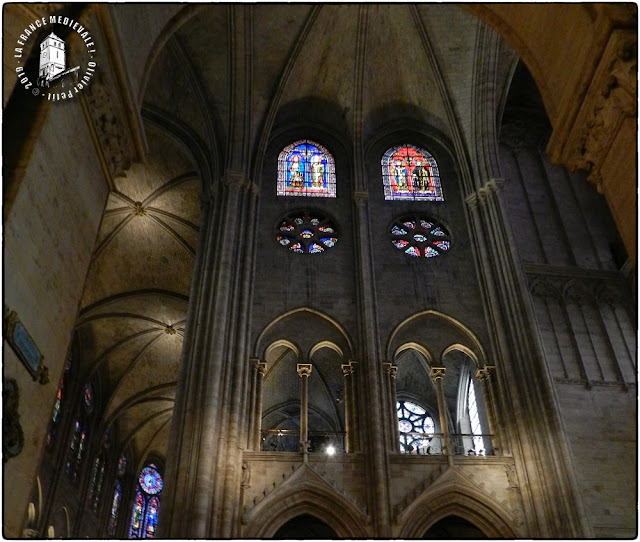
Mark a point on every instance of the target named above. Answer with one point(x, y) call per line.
point(410, 173)
point(307, 169)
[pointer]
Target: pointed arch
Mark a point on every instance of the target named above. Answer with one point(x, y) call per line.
point(456, 496)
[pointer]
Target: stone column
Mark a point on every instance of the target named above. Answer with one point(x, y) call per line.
point(483, 374)
point(261, 370)
point(353, 406)
point(347, 371)
point(390, 417)
point(304, 370)
point(437, 374)
point(395, 433)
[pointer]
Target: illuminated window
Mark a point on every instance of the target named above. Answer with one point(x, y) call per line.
point(306, 233)
point(77, 446)
point(115, 509)
point(306, 169)
point(410, 173)
point(144, 516)
point(474, 418)
point(57, 406)
point(420, 237)
point(415, 425)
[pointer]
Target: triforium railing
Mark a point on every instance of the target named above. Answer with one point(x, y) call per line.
point(434, 444)
point(288, 440)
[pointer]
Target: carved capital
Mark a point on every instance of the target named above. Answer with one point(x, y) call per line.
point(304, 369)
point(347, 370)
point(484, 373)
point(236, 179)
point(437, 373)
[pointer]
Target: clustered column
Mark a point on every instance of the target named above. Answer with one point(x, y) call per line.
point(391, 400)
point(255, 421)
point(304, 370)
point(350, 406)
point(437, 374)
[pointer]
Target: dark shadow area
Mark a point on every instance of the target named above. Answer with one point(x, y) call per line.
point(453, 528)
point(305, 527)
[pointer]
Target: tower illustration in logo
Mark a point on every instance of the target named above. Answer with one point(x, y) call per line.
point(53, 62)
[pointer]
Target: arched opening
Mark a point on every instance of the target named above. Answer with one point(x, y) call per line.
point(305, 527)
point(453, 528)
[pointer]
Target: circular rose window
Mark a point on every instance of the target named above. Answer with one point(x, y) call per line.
point(420, 237)
point(306, 233)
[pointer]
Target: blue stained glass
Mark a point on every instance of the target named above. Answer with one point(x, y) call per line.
point(150, 480)
point(438, 232)
point(413, 251)
point(328, 241)
point(325, 229)
point(151, 519)
point(410, 225)
point(306, 234)
point(430, 253)
point(135, 526)
point(419, 237)
point(306, 169)
point(88, 397)
point(426, 225)
point(287, 227)
point(442, 245)
point(396, 230)
point(115, 508)
point(410, 173)
point(284, 241)
point(297, 247)
point(314, 248)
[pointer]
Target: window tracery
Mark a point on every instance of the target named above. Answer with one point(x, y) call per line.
point(415, 425)
point(420, 237)
point(306, 233)
point(146, 505)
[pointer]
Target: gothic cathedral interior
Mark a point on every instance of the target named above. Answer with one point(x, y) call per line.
point(319, 270)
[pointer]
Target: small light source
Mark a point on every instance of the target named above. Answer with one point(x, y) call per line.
point(330, 450)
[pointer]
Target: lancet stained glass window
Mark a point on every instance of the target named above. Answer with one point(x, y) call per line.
point(306, 168)
point(75, 453)
point(415, 425)
point(115, 509)
point(410, 173)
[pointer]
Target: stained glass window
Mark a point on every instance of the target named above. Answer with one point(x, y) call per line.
point(76, 450)
point(97, 477)
point(474, 418)
point(410, 173)
point(88, 397)
point(151, 518)
point(415, 425)
point(420, 237)
point(306, 233)
point(135, 528)
point(115, 509)
point(57, 406)
point(150, 480)
point(122, 465)
point(306, 168)
point(144, 516)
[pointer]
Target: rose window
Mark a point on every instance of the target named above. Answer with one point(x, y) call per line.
point(420, 237)
point(306, 233)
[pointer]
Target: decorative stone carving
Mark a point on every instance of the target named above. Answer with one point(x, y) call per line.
point(246, 475)
point(611, 97)
point(304, 369)
point(12, 435)
point(437, 372)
